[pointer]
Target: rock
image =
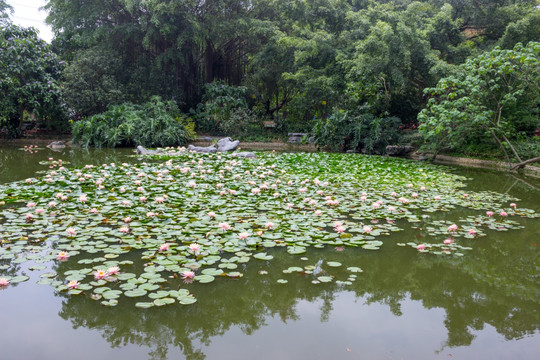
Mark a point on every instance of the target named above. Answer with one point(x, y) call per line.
point(296, 138)
point(142, 151)
point(57, 145)
point(398, 150)
point(245, 154)
point(227, 144)
point(202, 149)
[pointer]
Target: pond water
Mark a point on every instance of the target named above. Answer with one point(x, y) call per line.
point(404, 305)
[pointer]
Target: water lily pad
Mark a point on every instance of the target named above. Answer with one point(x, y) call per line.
point(333, 263)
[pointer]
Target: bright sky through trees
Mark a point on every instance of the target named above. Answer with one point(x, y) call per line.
point(27, 13)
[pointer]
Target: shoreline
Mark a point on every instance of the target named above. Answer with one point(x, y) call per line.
point(529, 170)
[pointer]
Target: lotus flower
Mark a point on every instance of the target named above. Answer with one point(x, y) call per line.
point(188, 275)
point(62, 256)
point(100, 274)
point(4, 282)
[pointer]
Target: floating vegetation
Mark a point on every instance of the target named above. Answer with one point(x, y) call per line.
point(149, 229)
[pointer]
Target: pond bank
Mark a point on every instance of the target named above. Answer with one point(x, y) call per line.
point(529, 170)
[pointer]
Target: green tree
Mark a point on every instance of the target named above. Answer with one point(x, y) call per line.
point(90, 84)
point(28, 80)
point(494, 94)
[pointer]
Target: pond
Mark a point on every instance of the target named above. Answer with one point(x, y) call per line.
point(382, 289)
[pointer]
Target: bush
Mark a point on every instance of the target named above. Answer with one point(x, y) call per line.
point(155, 123)
point(342, 131)
point(218, 103)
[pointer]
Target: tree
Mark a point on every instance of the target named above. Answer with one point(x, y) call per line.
point(494, 94)
point(28, 80)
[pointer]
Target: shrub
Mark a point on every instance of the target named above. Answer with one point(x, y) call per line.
point(155, 123)
point(218, 103)
point(343, 131)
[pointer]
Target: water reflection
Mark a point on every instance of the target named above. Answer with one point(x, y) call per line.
point(491, 287)
point(404, 304)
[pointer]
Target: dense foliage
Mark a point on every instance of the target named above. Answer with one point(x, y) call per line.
point(493, 95)
point(155, 123)
point(293, 62)
point(28, 80)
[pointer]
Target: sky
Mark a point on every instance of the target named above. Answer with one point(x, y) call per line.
point(26, 13)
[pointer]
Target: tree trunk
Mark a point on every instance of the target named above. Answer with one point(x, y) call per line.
point(523, 163)
point(21, 116)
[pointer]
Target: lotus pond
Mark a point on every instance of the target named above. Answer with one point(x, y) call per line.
point(291, 256)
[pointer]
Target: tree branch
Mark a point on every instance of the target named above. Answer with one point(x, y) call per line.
point(523, 163)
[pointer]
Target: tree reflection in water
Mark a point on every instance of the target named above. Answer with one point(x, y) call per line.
point(493, 285)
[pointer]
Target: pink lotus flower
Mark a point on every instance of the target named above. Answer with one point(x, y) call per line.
point(126, 203)
point(269, 225)
point(255, 191)
point(124, 229)
point(224, 226)
point(422, 188)
point(100, 274)
point(375, 205)
point(127, 220)
point(195, 247)
point(391, 208)
point(465, 195)
point(192, 183)
point(340, 228)
point(62, 256)
point(452, 227)
point(414, 195)
point(150, 214)
point(71, 231)
point(159, 200)
point(367, 229)
point(83, 198)
point(276, 194)
point(437, 197)
point(503, 213)
point(93, 211)
point(39, 211)
point(489, 213)
point(448, 241)
point(212, 214)
point(51, 204)
point(31, 205)
point(188, 275)
point(421, 247)
point(409, 185)
point(259, 233)
point(472, 232)
point(403, 200)
point(4, 282)
point(113, 270)
point(512, 205)
point(29, 217)
point(142, 199)
point(318, 212)
point(303, 190)
point(243, 236)
point(73, 284)
point(164, 247)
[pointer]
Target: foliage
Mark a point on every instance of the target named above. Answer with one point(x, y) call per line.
point(492, 95)
point(28, 81)
point(155, 123)
point(90, 85)
point(344, 131)
point(524, 30)
point(298, 59)
point(214, 113)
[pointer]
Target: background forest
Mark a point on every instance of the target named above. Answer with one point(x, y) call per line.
point(355, 73)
